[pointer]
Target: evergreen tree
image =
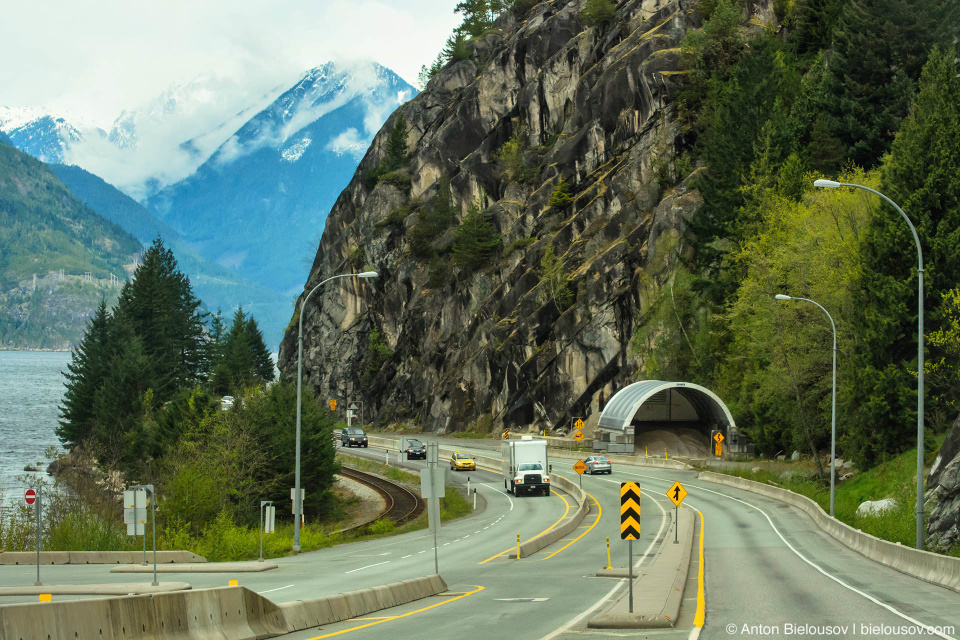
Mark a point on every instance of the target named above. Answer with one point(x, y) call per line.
point(162, 311)
point(245, 359)
point(397, 144)
point(922, 175)
point(476, 17)
point(85, 375)
point(878, 51)
point(476, 239)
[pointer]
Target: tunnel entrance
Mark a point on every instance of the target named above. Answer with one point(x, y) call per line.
point(651, 416)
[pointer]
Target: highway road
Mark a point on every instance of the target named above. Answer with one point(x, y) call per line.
point(769, 572)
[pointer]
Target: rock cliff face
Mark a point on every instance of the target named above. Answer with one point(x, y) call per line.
point(480, 346)
point(942, 498)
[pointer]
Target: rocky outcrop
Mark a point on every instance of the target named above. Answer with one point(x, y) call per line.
point(942, 498)
point(486, 346)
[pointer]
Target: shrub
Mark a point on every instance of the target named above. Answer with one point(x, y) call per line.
point(476, 239)
point(598, 12)
point(562, 196)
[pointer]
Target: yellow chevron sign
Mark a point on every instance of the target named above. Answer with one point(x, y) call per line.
point(629, 511)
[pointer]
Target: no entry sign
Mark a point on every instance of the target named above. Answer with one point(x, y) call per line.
point(30, 496)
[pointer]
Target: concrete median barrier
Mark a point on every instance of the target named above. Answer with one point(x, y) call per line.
point(224, 613)
point(533, 545)
point(931, 567)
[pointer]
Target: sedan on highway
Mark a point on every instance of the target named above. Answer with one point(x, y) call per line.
point(598, 464)
point(462, 461)
point(416, 449)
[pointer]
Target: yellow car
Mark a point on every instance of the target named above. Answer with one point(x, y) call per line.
point(461, 460)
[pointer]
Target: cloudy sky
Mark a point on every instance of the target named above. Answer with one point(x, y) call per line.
point(94, 59)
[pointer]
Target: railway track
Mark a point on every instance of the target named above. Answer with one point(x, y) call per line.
point(403, 504)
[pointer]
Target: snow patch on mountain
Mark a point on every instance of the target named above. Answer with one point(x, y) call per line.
point(294, 151)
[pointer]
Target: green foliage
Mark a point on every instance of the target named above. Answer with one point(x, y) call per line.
point(598, 12)
point(392, 169)
point(477, 17)
point(922, 175)
point(432, 220)
point(871, 76)
point(476, 240)
point(943, 369)
point(520, 244)
point(240, 358)
point(513, 159)
point(378, 352)
point(454, 505)
point(562, 196)
point(455, 49)
point(554, 281)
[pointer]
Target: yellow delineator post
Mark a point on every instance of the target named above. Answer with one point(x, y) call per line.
point(630, 525)
point(518, 546)
point(609, 565)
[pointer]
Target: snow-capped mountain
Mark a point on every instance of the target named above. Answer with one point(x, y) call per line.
point(260, 201)
point(46, 136)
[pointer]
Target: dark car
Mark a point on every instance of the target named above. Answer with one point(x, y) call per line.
point(353, 437)
point(416, 449)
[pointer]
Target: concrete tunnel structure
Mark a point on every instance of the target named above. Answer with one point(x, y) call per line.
point(649, 405)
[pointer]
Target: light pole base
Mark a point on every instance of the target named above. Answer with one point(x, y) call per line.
point(296, 548)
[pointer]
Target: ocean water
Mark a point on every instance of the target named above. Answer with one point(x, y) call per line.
point(31, 388)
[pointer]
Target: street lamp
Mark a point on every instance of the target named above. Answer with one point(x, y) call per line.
point(297, 501)
point(830, 184)
point(833, 410)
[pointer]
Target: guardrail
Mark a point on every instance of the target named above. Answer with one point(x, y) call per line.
point(925, 565)
point(96, 557)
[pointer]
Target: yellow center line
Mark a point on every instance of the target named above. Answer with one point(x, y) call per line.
point(701, 605)
point(404, 615)
point(514, 546)
point(599, 513)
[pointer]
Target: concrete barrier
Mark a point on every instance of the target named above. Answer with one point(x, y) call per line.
point(930, 567)
point(533, 545)
point(96, 557)
point(224, 613)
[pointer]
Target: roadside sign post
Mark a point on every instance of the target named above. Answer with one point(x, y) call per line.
point(718, 447)
point(433, 509)
point(676, 493)
point(630, 525)
point(265, 526)
point(33, 497)
point(580, 467)
point(139, 493)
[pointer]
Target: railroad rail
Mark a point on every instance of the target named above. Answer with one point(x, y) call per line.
point(403, 504)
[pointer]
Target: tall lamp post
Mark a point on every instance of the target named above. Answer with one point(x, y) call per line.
point(833, 410)
point(830, 184)
point(297, 501)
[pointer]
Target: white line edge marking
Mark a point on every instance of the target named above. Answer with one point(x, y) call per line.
point(277, 589)
point(928, 628)
point(599, 603)
point(368, 566)
point(406, 556)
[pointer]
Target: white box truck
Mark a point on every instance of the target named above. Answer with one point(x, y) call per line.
point(526, 468)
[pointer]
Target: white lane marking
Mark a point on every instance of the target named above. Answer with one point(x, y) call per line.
point(599, 603)
point(407, 556)
point(932, 630)
point(277, 589)
point(368, 566)
point(445, 543)
point(476, 532)
point(466, 536)
point(424, 551)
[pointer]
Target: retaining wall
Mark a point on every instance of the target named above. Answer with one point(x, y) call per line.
point(931, 567)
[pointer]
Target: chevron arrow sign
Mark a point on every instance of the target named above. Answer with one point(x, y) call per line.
point(629, 511)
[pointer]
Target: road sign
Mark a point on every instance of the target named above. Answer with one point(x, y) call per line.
point(580, 467)
point(676, 493)
point(578, 436)
point(629, 511)
point(578, 424)
point(506, 434)
point(30, 496)
point(718, 450)
point(718, 437)
point(333, 405)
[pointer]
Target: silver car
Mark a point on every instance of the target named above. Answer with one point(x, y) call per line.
point(598, 464)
